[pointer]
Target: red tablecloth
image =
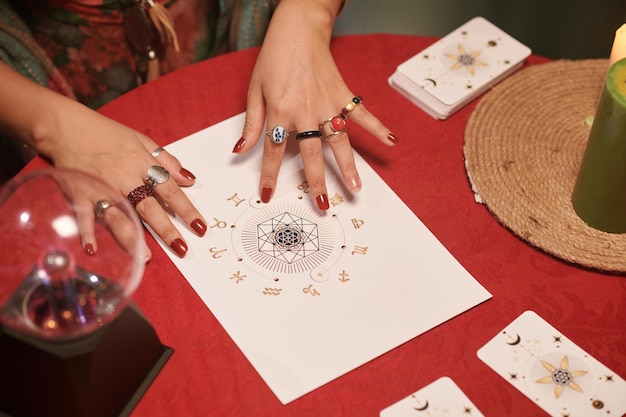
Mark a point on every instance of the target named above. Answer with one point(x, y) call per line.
point(208, 375)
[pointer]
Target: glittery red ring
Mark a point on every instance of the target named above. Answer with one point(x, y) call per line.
point(140, 193)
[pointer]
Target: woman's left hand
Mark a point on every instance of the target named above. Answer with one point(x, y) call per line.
point(296, 85)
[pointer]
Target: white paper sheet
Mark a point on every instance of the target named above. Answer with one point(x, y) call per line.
point(309, 296)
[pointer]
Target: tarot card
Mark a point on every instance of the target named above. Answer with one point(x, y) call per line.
point(427, 103)
point(470, 58)
point(459, 67)
point(441, 398)
point(552, 371)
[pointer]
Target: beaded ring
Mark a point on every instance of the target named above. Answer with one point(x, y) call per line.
point(356, 100)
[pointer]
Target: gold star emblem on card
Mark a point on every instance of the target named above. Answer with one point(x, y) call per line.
point(561, 377)
point(465, 59)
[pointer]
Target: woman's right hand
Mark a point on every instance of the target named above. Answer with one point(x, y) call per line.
point(74, 136)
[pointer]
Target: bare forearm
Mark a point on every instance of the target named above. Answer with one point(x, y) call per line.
point(55, 126)
point(31, 113)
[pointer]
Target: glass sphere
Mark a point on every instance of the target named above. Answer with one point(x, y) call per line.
point(51, 287)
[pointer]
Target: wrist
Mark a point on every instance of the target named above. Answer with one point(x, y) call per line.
point(322, 12)
point(53, 127)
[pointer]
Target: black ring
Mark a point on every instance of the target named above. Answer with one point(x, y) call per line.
point(309, 134)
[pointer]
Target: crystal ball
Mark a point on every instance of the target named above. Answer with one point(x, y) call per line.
point(73, 253)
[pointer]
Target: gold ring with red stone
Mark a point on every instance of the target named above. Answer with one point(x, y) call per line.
point(338, 125)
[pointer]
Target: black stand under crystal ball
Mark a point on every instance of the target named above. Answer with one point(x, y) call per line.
point(72, 342)
point(102, 374)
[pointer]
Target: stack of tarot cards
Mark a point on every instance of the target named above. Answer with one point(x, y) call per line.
point(450, 73)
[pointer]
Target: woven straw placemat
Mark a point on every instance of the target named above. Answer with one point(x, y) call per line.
point(523, 146)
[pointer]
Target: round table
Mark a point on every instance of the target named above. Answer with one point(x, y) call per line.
point(208, 376)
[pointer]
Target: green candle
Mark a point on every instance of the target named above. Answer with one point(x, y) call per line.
point(599, 196)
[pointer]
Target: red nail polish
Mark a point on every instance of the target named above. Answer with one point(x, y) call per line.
point(392, 138)
point(187, 174)
point(179, 246)
point(239, 145)
point(89, 249)
point(266, 194)
point(322, 202)
point(199, 227)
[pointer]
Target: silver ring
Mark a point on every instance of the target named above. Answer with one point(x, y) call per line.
point(155, 153)
point(157, 175)
point(278, 134)
point(101, 206)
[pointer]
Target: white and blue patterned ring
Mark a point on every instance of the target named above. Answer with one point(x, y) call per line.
point(278, 134)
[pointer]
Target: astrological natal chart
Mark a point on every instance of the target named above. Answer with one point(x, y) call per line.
point(308, 295)
point(289, 243)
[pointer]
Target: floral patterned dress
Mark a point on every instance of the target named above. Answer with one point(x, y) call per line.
point(87, 49)
point(99, 46)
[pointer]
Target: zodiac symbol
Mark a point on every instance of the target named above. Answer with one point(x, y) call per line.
point(272, 291)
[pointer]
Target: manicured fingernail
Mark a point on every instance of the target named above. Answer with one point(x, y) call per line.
point(266, 193)
point(89, 249)
point(147, 255)
point(199, 227)
point(239, 145)
point(179, 246)
point(392, 138)
point(322, 202)
point(355, 184)
point(187, 174)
